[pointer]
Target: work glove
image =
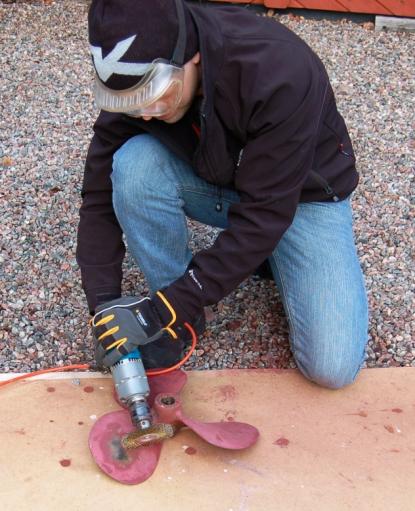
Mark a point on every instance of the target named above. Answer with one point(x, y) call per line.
point(127, 323)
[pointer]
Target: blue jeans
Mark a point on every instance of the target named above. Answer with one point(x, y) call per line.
point(315, 265)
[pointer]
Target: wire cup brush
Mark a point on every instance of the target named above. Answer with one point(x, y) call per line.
point(152, 435)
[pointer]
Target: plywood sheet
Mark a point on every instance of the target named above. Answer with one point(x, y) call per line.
point(319, 449)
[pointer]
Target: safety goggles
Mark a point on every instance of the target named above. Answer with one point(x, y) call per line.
point(160, 89)
point(156, 94)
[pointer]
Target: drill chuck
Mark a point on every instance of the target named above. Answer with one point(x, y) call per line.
point(131, 385)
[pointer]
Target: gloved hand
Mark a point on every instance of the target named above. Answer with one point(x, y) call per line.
point(122, 325)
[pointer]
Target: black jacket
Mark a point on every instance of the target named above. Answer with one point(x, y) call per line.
point(269, 128)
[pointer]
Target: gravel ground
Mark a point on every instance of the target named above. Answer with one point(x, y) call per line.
point(45, 127)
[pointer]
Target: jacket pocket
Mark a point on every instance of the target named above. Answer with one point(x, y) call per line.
point(212, 160)
point(336, 130)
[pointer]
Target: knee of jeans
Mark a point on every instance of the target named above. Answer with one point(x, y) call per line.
point(334, 374)
point(136, 165)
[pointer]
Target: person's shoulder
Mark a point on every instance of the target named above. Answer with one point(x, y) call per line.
point(239, 23)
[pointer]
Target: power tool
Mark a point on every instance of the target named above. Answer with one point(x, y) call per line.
point(132, 388)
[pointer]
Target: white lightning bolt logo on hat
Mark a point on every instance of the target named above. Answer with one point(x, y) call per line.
point(111, 64)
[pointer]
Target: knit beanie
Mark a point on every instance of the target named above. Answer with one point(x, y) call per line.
point(135, 31)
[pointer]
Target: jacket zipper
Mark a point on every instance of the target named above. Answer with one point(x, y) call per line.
point(219, 204)
point(340, 145)
point(325, 184)
point(203, 138)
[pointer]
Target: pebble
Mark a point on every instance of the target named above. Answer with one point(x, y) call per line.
point(46, 125)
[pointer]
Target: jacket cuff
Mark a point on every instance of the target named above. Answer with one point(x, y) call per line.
point(99, 296)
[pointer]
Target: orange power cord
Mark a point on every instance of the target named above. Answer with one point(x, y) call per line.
point(87, 366)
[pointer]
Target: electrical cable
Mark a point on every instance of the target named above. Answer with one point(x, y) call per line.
point(88, 366)
point(44, 371)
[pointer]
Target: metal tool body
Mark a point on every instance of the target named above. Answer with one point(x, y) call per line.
point(132, 388)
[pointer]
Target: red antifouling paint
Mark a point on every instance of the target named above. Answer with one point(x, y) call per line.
point(282, 442)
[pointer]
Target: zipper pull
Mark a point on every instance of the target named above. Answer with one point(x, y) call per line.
point(342, 151)
point(219, 205)
point(329, 190)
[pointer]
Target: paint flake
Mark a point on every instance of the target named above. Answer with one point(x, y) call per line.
point(281, 442)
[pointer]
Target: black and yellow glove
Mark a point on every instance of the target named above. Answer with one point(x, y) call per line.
point(122, 325)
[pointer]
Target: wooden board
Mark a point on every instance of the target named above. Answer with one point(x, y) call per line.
point(319, 449)
point(385, 7)
point(394, 24)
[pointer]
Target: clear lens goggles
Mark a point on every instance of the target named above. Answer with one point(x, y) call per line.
point(156, 94)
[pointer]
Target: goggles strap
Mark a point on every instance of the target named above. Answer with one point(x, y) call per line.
point(179, 50)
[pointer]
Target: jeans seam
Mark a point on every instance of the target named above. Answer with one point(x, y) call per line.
point(203, 194)
point(192, 190)
point(285, 299)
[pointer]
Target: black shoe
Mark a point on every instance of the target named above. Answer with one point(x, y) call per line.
point(263, 272)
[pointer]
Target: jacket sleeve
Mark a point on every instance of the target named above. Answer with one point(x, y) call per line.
point(100, 249)
point(283, 116)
